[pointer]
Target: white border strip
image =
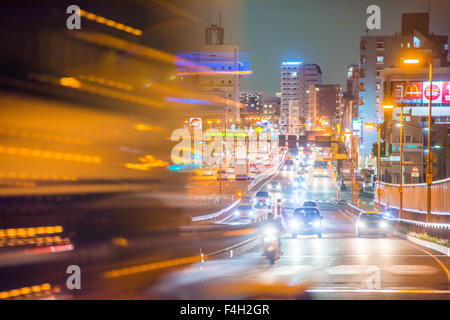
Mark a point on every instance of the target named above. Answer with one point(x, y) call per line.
point(427, 244)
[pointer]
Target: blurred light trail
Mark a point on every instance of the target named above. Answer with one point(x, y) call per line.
point(25, 290)
point(147, 163)
point(152, 266)
point(146, 127)
point(29, 232)
point(130, 47)
point(98, 90)
point(70, 82)
point(109, 83)
point(182, 13)
point(43, 136)
point(187, 101)
point(36, 176)
point(110, 23)
point(48, 154)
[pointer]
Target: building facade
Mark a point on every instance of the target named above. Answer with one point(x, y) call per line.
point(379, 52)
point(271, 106)
point(252, 102)
point(289, 85)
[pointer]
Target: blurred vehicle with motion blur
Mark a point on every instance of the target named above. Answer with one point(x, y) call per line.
point(288, 165)
point(245, 212)
point(222, 175)
point(274, 186)
point(262, 199)
point(320, 168)
point(208, 172)
point(310, 204)
point(371, 223)
point(299, 182)
point(270, 238)
point(306, 220)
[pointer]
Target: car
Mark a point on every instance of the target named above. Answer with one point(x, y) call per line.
point(371, 223)
point(245, 211)
point(306, 220)
point(320, 168)
point(274, 186)
point(299, 182)
point(222, 175)
point(262, 199)
point(301, 174)
point(241, 177)
point(207, 172)
point(310, 204)
point(288, 165)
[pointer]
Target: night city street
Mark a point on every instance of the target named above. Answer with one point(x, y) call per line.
point(224, 150)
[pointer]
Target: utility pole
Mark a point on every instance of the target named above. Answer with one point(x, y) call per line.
point(400, 188)
point(429, 177)
point(378, 167)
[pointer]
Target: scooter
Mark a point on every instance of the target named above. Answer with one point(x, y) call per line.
point(271, 244)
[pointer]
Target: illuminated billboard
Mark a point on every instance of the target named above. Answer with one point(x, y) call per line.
point(418, 92)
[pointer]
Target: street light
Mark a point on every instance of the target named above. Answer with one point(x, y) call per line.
point(377, 126)
point(429, 176)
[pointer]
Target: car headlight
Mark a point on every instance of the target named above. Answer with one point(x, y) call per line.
point(252, 213)
point(295, 224)
point(237, 213)
point(383, 225)
point(316, 224)
point(269, 231)
point(361, 224)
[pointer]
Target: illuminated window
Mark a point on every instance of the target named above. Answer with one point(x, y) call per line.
point(380, 59)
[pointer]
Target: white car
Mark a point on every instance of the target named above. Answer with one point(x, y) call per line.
point(208, 172)
point(245, 211)
point(274, 186)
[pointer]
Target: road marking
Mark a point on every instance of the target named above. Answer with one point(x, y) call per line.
point(434, 257)
point(345, 215)
point(411, 269)
point(343, 290)
point(347, 269)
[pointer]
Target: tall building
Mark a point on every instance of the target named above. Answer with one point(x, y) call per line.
point(290, 85)
point(215, 72)
point(324, 101)
point(252, 101)
point(378, 52)
point(271, 106)
point(309, 74)
point(313, 106)
point(410, 87)
point(293, 116)
point(295, 79)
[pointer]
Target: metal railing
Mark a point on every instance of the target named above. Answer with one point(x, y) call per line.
point(415, 195)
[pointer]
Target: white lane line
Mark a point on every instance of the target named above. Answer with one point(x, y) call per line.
point(345, 215)
point(411, 269)
point(344, 290)
point(434, 257)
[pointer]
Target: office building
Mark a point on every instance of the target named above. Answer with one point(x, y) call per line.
point(379, 52)
point(252, 102)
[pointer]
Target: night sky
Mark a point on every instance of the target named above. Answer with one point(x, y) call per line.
point(326, 32)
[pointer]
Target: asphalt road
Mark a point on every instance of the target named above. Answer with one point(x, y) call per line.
point(167, 264)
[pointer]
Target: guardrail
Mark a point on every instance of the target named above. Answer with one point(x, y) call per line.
point(259, 179)
point(414, 197)
point(440, 231)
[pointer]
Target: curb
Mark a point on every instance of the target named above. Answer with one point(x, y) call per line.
point(427, 244)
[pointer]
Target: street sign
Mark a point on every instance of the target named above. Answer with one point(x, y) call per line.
point(340, 156)
point(195, 123)
point(415, 174)
point(415, 169)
